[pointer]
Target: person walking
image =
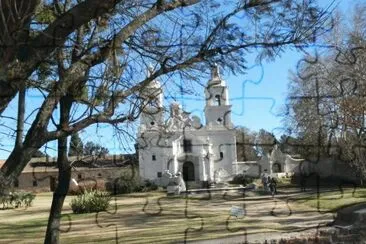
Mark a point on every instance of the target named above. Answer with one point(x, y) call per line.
point(303, 183)
point(265, 182)
point(273, 186)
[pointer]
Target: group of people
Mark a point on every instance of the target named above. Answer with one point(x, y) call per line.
point(269, 184)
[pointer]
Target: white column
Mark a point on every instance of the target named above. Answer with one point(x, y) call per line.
point(212, 168)
point(211, 161)
point(203, 174)
point(270, 167)
point(175, 155)
point(175, 165)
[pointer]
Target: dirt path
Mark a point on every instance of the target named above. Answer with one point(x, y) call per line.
point(299, 221)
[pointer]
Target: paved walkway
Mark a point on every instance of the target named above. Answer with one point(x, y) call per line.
point(262, 237)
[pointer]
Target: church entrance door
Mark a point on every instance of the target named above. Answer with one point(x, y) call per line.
point(276, 168)
point(188, 171)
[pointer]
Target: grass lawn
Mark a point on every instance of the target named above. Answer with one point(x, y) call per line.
point(333, 199)
point(156, 218)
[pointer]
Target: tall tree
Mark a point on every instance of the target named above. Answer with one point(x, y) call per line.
point(76, 147)
point(64, 177)
point(245, 145)
point(94, 149)
point(24, 45)
point(265, 142)
point(327, 96)
point(289, 144)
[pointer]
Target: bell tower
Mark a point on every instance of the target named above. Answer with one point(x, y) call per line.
point(152, 95)
point(217, 109)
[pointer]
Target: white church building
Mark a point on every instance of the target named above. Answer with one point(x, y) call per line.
point(202, 153)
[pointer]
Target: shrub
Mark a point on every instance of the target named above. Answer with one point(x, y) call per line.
point(23, 199)
point(148, 186)
point(128, 182)
point(17, 199)
point(283, 182)
point(313, 180)
point(242, 179)
point(122, 186)
point(90, 202)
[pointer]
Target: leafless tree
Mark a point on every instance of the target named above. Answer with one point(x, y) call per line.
point(327, 95)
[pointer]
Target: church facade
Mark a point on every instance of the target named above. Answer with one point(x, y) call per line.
point(201, 152)
point(205, 153)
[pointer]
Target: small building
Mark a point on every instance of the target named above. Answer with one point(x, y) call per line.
point(41, 174)
point(275, 163)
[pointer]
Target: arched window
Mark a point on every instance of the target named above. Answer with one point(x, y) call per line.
point(217, 100)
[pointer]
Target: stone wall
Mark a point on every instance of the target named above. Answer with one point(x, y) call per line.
point(250, 168)
point(46, 180)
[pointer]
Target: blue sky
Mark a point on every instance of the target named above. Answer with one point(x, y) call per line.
point(256, 99)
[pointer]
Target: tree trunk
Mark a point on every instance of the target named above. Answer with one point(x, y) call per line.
point(7, 93)
point(15, 164)
point(64, 177)
point(20, 117)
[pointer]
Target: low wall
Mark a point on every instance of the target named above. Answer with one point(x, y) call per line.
point(250, 168)
point(46, 181)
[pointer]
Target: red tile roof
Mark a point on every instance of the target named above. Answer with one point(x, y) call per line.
point(2, 161)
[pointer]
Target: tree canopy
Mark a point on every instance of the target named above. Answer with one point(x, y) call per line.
point(95, 149)
point(93, 54)
point(327, 95)
point(245, 145)
point(76, 147)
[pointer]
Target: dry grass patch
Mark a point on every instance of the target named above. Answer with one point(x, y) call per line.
point(154, 217)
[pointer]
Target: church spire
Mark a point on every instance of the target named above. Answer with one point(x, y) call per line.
point(149, 70)
point(216, 79)
point(154, 83)
point(217, 109)
point(215, 72)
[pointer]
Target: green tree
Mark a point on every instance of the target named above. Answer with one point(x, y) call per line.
point(25, 46)
point(265, 142)
point(95, 149)
point(245, 145)
point(76, 147)
point(289, 144)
